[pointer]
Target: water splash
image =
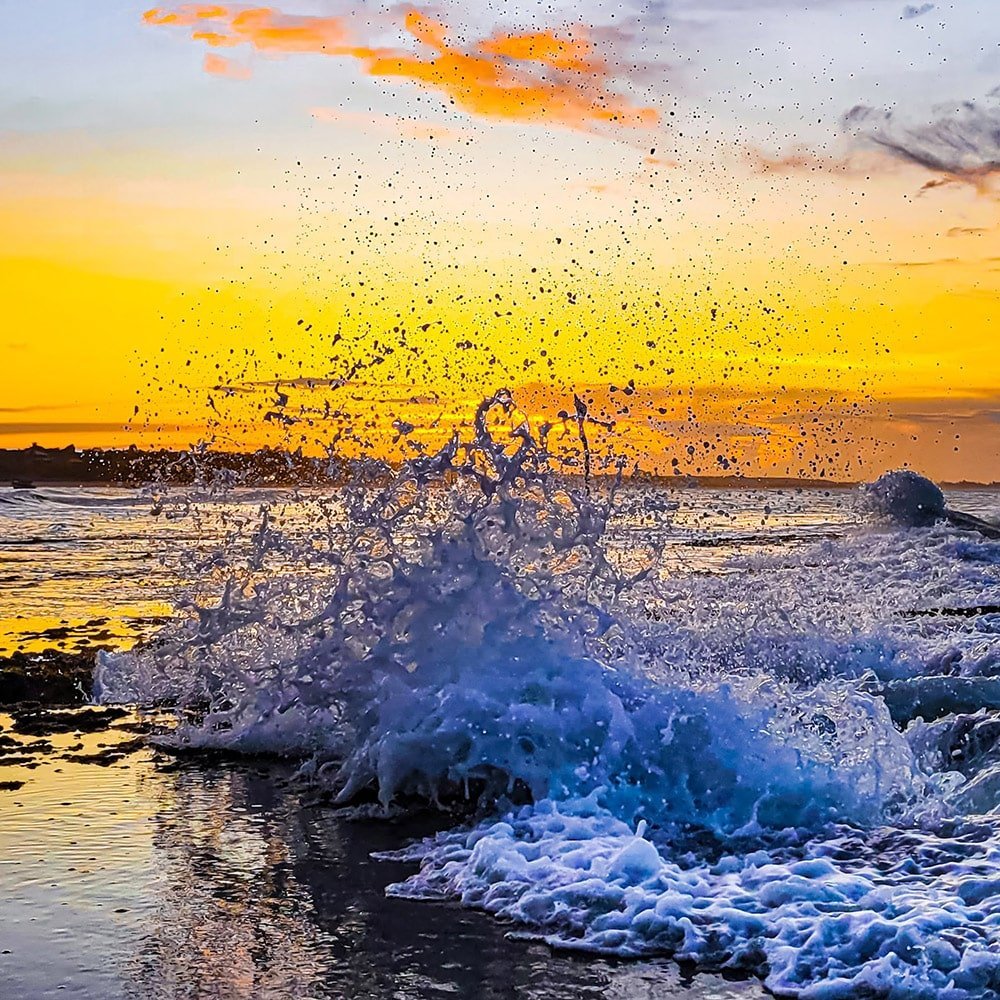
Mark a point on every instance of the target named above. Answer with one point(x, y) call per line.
point(908, 499)
point(471, 626)
point(905, 498)
point(488, 624)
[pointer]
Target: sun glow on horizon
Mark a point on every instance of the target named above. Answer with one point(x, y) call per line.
point(443, 206)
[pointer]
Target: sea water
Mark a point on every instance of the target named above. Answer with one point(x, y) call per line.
point(754, 731)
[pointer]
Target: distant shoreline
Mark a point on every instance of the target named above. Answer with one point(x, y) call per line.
point(72, 467)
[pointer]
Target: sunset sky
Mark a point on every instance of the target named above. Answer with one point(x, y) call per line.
point(757, 236)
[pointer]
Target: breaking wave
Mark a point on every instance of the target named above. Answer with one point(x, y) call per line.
point(785, 767)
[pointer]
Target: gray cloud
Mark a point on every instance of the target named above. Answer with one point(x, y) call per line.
point(912, 11)
point(961, 139)
point(715, 6)
point(979, 407)
point(949, 419)
point(52, 427)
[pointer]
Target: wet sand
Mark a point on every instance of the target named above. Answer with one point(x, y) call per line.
point(126, 872)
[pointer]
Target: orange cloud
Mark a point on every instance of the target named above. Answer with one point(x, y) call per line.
point(220, 66)
point(533, 77)
point(263, 28)
point(542, 47)
point(495, 79)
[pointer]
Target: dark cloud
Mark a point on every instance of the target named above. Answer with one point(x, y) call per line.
point(962, 140)
point(981, 407)
point(51, 427)
point(68, 428)
point(37, 408)
point(699, 7)
point(924, 263)
point(949, 419)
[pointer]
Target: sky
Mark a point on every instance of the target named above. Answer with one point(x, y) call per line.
point(753, 237)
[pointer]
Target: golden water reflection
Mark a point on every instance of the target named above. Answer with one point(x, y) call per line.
point(156, 879)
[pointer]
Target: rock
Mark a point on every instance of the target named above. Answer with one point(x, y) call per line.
point(108, 754)
point(49, 678)
point(43, 721)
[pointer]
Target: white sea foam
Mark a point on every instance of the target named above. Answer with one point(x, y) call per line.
point(824, 918)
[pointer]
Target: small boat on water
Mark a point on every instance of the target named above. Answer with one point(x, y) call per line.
point(22, 484)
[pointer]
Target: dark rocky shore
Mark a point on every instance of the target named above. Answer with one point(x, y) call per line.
point(44, 701)
point(25, 468)
point(47, 678)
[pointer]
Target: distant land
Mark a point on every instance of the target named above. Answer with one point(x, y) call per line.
point(27, 467)
point(134, 466)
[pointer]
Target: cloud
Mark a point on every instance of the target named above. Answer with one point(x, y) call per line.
point(979, 416)
point(261, 27)
point(218, 65)
point(37, 408)
point(977, 406)
point(796, 161)
point(51, 427)
point(912, 11)
point(961, 141)
point(538, 77)
point(574, 54)
point(939, 262)
point(504, 76)
point(801, 160)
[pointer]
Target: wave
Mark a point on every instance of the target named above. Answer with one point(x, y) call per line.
point(35, 499)
point(706, 766)
point(109, 499)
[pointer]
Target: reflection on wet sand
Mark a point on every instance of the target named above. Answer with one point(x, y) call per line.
point(270, 898)
point(235, 921)
point(155, 878)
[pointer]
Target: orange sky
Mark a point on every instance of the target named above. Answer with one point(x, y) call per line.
point(305, 225)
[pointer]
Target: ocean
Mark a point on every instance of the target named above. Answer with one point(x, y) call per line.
point(498, 732)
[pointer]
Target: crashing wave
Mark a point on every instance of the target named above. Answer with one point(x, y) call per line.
point(905, 498)
point(909, 500)
point(475, 629)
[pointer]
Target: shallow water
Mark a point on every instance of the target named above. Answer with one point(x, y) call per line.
point(89, 565)
point(149, 879)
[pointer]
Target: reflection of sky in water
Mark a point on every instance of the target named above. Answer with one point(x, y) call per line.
point(80, 568)
point(215, 881)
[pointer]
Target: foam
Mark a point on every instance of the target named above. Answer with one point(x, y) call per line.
point(816, 919)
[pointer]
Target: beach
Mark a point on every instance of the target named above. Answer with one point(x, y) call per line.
point(147, 875)
point(500, 501)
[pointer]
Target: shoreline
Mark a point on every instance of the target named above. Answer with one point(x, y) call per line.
point(680, 482)
point(135, 870)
